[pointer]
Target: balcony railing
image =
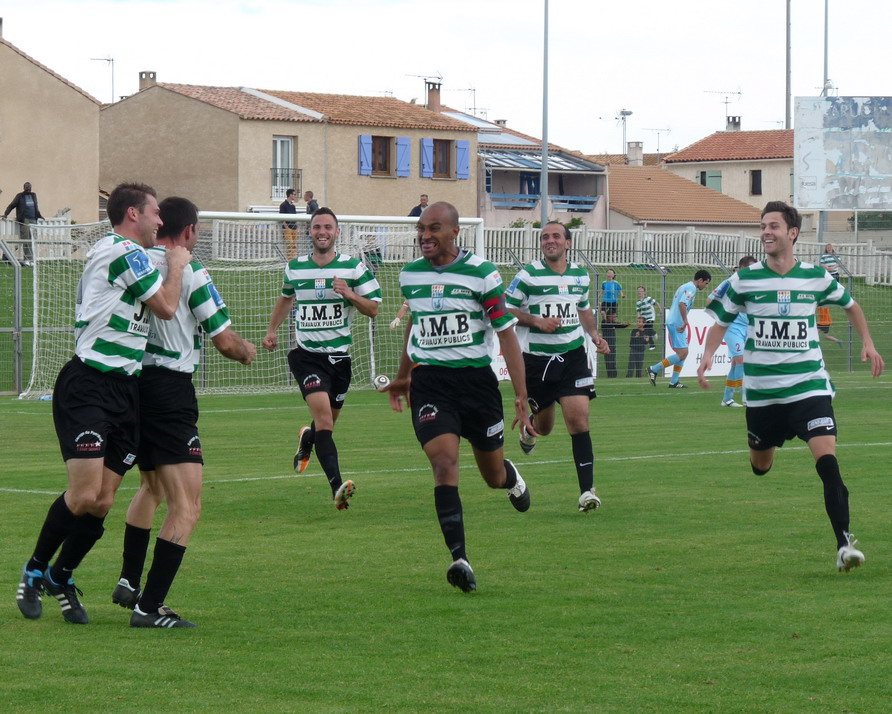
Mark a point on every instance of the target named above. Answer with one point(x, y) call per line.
point(574, 204)
point(283, 179)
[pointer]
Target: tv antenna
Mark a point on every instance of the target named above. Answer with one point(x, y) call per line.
point(726, 97)
point(667, 130)
point(621, 116)
point(111, 63)
point(474, 109)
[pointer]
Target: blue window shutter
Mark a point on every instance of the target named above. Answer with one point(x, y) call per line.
point(365, 155)
point(427, 158)
point(462, 159)
point(403, 155)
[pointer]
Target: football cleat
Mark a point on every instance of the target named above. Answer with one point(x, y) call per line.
point(652, 376)
point(124, 595)
point(164, 618)
point(66, 594)
point(527, 442)
point(343, 494)
point(520, 494)
point(589, 501)
point(678, 385)
point(461, 576)
point(28, 596)
point(849, 556)
point(731, 403)
point(304, 450)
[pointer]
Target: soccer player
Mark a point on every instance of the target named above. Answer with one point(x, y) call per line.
point(170, 455)
point(455, 298)
point(328, 287)
point(735, 338)
point(550, 299)
point(788, 390)
point(95, 398)
point(677, 327)
point(646, 307)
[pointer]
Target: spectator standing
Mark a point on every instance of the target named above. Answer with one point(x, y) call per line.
point(27, 212)
point(611, 292)
point(647, 307)
point(416, 212)
point(289, 228)
point(830, 261)
point(638, 339)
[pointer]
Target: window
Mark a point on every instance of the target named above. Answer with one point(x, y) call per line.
point(442, 158)
point(756, 182)
point(529, 183)
point(445, 158)
point(283, 175)
point(384, 155)
point(711, 179)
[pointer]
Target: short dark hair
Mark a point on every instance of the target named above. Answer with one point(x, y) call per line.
point(451, 211)
point(790, 214)
point(745, 261)
point(567, 235)
point(127, 195)
point(289, 193)
point(324, 211)
point(703, 275)
point(310, 194)
point(177, 214)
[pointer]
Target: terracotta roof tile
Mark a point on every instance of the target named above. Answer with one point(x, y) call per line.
point(623, 160)
point(233, 99)
point(738, 146)
point(646, 193)
point(371, 111)
point(49, 71)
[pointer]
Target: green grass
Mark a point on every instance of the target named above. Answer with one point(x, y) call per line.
point(698, 587)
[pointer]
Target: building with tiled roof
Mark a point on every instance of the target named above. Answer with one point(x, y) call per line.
point(50, 137)
point(752, 166)
point(231, 148)
point(656, 199)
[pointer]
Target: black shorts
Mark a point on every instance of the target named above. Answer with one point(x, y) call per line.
point(824, 328)
point(608, 308)
point(550, 378)
point(96, 414)
point(328, 372)
point(168, 419)
point(770, 426)
point(465, 401)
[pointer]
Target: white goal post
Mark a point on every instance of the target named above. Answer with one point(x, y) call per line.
point(245, 254)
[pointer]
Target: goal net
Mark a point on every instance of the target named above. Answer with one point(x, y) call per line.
point(246, 257)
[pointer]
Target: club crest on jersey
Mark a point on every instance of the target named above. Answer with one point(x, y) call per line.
point(437, 293)
point(320, 288)
point(783, 302)
point(578, 280)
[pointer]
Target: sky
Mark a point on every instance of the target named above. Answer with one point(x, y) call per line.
point(680, 67)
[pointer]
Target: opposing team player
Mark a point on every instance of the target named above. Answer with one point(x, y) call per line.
point(328, 287)
point(735, 338)
point(170, 456)
point(455, 298)
point(788, 391)
point(550, 299)
point(95, 398)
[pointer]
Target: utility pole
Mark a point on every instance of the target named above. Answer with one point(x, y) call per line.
point(543, 177)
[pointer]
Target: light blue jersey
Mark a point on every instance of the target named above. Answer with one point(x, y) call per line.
point(737, 329)
point(685, 294)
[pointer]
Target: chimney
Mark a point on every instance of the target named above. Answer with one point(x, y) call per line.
point(732, 123)
point(147, 79)
point(502, 122)
point(433, 95)
point(635, 155)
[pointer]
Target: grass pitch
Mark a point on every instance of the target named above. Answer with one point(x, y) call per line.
point(697, 587)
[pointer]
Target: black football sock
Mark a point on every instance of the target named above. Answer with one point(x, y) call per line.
point(136, 545)
point(583, 458)
point(87, 529)
point(327, 454)
point(165, 564)
point(56, 527)
point(510, 475)
point(836, 497)
point(449, 513)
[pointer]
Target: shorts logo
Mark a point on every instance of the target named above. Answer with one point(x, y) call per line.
point(427, 413)
point(320, 288)
point(341, 397)
point(755, 440)
point(88, 442)
point(130, 459)
point(585, 382)
point(312, 381)
point(826, 422)
point(496, 428)
point(437, 293)
point(783, 302)
point(194, 446)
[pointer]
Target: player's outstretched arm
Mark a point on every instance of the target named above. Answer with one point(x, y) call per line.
point(399, 387)
point(868, 351)
point(280, 312)
point(514, 362)
point(714, 338)
point(230, 344)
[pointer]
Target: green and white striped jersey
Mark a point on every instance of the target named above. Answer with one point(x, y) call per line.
point(322, 317)
point(646, 308)
point(454, 310)
point(176, 344)
point(111, 322)
point(540, 291)
point(782, 359)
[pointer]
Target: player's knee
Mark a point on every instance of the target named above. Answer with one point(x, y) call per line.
point(758, 471)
